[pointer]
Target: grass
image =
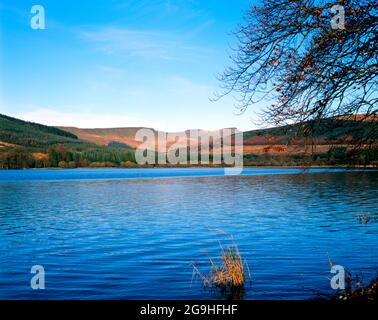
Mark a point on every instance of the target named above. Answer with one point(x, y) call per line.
point(355, 289)
point(368, 293)
point(230, 273)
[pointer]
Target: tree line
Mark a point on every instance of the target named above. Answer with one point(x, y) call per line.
point(62, 157)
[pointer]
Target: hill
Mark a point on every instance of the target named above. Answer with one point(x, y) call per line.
point(27, 144)
point(103, 137)
point(34, 136)
point(329, 133)
point(122, 136)
point(278, 140)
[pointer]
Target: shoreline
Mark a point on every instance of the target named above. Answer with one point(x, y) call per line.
point(360, 167)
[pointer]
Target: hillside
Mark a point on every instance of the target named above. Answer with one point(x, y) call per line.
point(261, 142)
point(26, 144)
point(121, 136)
point(104, 137)
point(34, 136)
point(327, 135)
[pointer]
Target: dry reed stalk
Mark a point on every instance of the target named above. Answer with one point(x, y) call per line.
point(231, 271)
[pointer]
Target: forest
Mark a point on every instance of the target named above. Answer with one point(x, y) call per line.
point(31, 145)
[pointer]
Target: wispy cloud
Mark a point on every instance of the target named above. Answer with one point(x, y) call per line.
point(187, 10)
point(141, 43)
point(82, 120)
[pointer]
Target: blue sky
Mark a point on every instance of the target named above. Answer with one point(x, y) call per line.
point(120, 63)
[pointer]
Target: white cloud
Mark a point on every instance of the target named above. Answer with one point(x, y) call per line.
point(83, 120)
point(141, 43)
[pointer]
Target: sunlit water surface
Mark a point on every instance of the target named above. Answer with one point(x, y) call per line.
point(132, 234)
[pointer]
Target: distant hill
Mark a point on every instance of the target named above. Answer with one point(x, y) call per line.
point(103, 137)
point(120, 137)
point(27, 144)
point(31, 145)
point(35, 136)
point(278, 140)
point(326, 135)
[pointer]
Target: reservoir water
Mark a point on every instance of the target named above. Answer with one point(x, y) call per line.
point(132, 233)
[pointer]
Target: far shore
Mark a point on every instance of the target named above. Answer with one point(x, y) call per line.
point(207, 167)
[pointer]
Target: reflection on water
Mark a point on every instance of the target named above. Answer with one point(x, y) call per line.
point(114, 238)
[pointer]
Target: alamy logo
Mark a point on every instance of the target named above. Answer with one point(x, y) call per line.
point(37, 282)
point(218, 147)
point(338, 21)
point(37, 22)
point(338, 280)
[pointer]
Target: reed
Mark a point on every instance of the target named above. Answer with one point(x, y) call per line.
point(231, 272)
point(355, 289)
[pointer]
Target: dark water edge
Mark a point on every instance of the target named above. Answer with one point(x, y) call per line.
point(139, 173)
point(100, 235)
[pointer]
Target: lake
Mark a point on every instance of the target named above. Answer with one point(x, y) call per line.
point(132, 233)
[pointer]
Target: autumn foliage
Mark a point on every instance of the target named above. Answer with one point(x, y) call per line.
point(302, 68)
